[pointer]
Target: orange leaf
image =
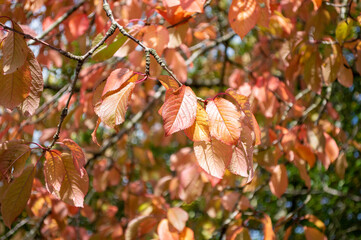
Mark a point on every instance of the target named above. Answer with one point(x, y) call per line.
point(279, 180)
point(94, 133)
point(243, 16)
point(31, 102)
point(168, 82)
point(17, 195)
point(164, 231)
point(316, 4)
point(179, 110)
point(15, 51)
point(192, 5)
point(267, 228)
point(306, 153)
point(331, 148)
point(301, 165)
point(15, 87)
point(224, 122)
point(131, 233)
point(239, 162)
point(113, 108)
point(13, 155)
point(74, 186)
point(213, 156)
point(117, 79)
point(199, 131)
point(249, 118)
point(177, 217)
point(77, 154)
point(156, 37)
point(186, 234)
point(314, 233)
point(345, 76)
point(54, 172)
point(78, 25)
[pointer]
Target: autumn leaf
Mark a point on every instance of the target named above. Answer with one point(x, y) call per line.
point(168, 82)
point(164, 232)
point(131, 233)
point(179, 110)
point(15, 87)
point(156, 37)
point(117, 79)
point(199, 131)
point(17, 195)
point(74, 186)
point(31, 102)
point(268, 232)
point(54, 172)
point(213, 156)
point(224, 120)
point(113, 108)
point(279, 180)
point(243, 16)
point(177, 217)
point(249, 118)
point(77, 154)
point(15, 51)
point(13, 155)
point(105, 52)
point(78, 24)
point(306, 153)
point(312, 233)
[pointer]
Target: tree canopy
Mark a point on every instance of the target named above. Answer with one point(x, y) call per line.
point(180, 119)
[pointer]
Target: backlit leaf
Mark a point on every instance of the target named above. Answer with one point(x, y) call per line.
point(14, 50)
point(179, 110)
point(164, 232)
point(224, 120)
point(15, 87)
point(74, 187)
point(168, 82)
point(17, 195)
point(279, 180)
point(213, 156)
point(243, 16)
point(54, 172)
point(13, 155)
point(77, 154)
point(113, 108)
point(199, 131)
point(331, 148)
point(31, 102)
point(306, 153)
point(105, 52)
point(156, 37)
point(177, 217)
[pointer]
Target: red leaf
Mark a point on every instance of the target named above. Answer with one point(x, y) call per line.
point(113, 108)
point(14, 51)
point(179, 110)
point(54, 172)
point(17, 195)
point(213, 156)
point(74, 186)
point(31, 102)
point(78, 25)
point(156, 37)
point(243, 16)
point(15, 87)
point(77, 154)
point(224, 120)
point(13, 155)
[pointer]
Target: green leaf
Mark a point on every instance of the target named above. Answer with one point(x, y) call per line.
point(105, 52)
point(16, 195)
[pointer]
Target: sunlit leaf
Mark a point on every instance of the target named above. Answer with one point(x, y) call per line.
point(74, 187)
point(179, 110)
point(54, 171)
point(177, 217)
point(31, 102)
point(77, 154)
point(243, 16)
point(224, 120)
point(213, 156)
point(14, 50)
point(199, 131)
